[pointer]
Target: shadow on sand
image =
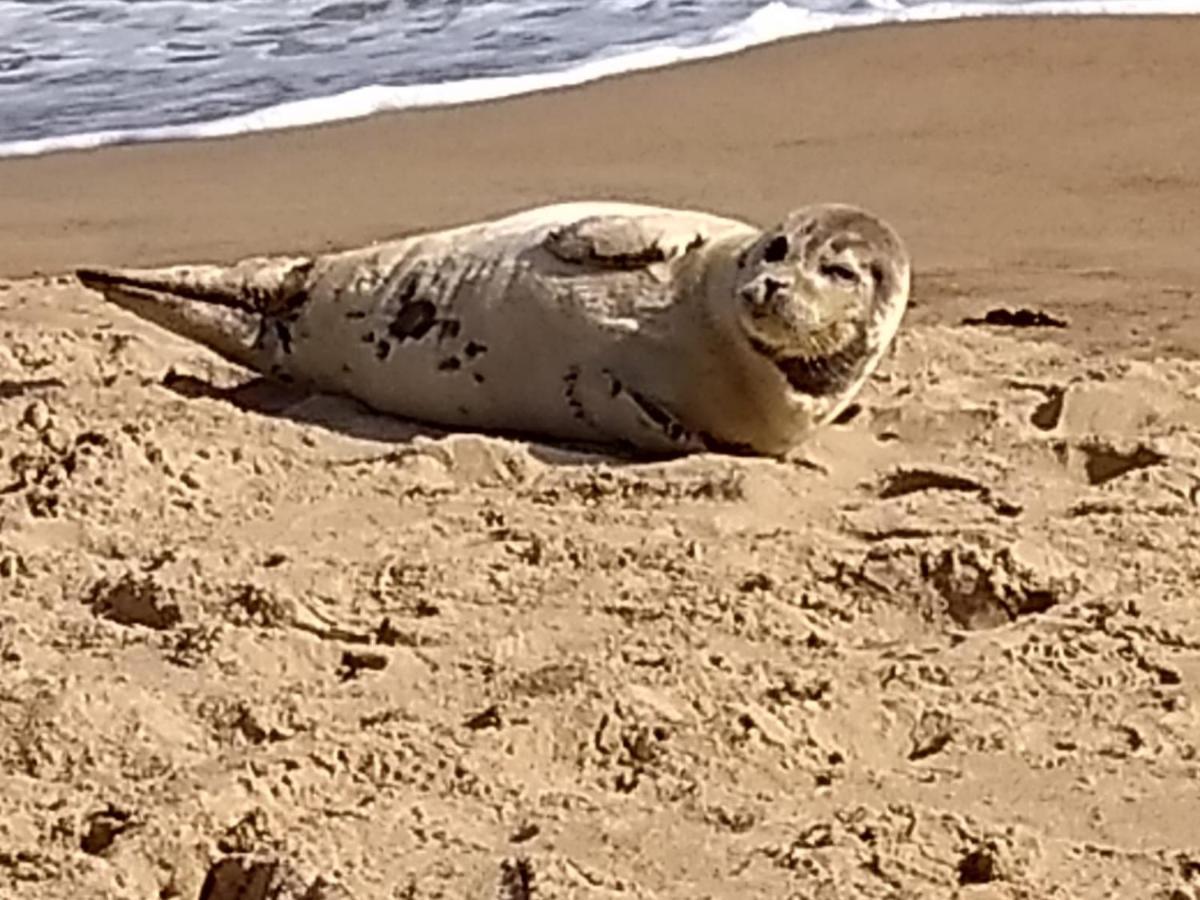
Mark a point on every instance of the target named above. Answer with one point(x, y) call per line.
point(346, 416)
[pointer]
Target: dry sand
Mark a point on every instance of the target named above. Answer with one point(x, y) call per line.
point(255, 644)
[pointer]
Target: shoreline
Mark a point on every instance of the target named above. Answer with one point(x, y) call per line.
point(1008, 151)
point(380, 98)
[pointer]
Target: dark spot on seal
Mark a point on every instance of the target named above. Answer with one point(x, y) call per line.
point(474, 349)
point(570, 383)
point(777, 249)
point(346, 368)
point(356, 314)
point(448, 328)
point(450, 364)
point(369, 337)
point(659, 416)
point(284, 334)
point(413, 321)
point(293, 290)
point(382, 349)
point(877, 273)
point(614, 384)
point(286, 378)
point(695, 243)
point(478, 378)
point(408, 286)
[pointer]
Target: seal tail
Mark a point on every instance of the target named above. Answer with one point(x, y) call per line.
point(221, 307)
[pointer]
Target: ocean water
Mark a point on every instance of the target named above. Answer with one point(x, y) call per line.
point(81, 73)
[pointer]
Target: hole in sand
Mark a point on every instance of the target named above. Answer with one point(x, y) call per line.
point(1049, 412)
point(910, 481)
point(130, 600)
point(986, 592)
point(1103, 462)
point(966, 586)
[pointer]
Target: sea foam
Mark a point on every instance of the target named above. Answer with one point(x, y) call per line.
point(772, 22)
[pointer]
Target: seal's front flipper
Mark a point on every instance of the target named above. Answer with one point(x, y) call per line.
point(613, 242)
point(222, 307)
point(620, 412)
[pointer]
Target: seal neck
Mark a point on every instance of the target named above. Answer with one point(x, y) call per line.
point(711, 272)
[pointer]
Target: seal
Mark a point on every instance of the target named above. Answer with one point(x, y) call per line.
point(660, 330)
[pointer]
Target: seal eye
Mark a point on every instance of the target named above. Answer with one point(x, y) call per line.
point(777, 250)
point(839, 272)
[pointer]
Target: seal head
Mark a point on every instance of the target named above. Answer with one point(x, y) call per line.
point(821, 296)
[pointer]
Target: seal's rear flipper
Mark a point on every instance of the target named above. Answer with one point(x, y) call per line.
point(221, 307)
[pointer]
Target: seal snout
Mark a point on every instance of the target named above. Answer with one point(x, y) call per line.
point(759, 293)
point(779, 302)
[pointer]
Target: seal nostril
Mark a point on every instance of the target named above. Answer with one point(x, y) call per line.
point(771, 287)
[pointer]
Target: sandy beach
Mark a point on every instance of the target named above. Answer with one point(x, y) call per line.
point(257, 644)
